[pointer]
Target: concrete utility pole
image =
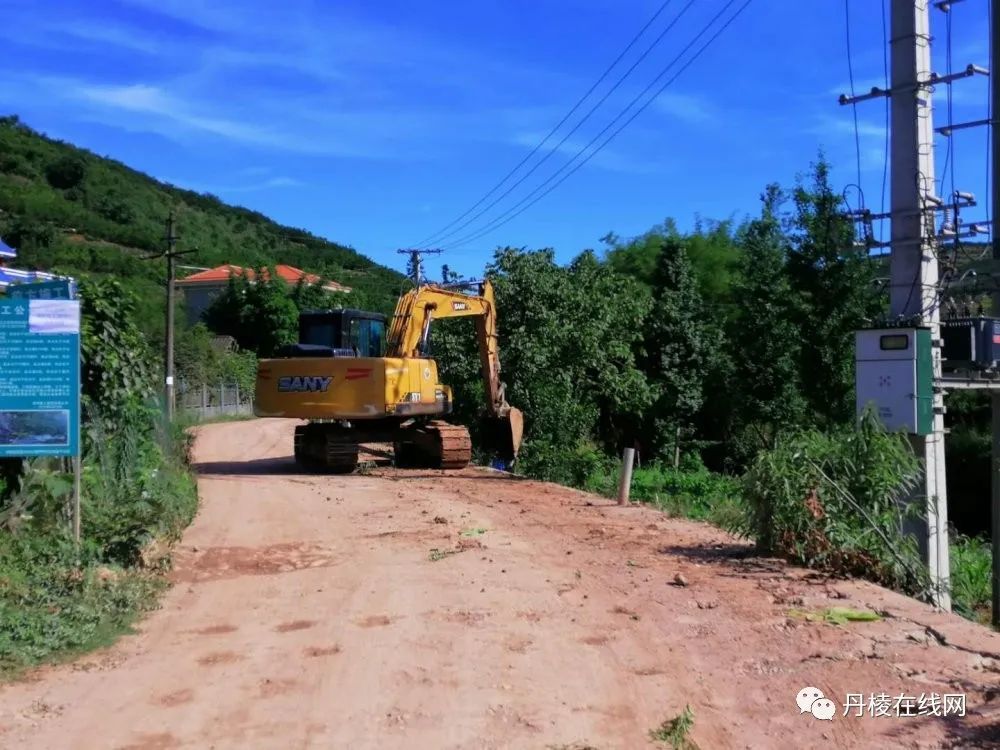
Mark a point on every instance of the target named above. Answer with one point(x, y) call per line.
point(995, 216)
point(415, 261)
point(171, 254)
point(168, 358)
point(913, 263)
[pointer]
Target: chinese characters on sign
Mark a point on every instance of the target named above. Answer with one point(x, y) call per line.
point(39, 377)
point(59, 289)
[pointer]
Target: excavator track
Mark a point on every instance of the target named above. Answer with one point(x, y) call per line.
point(454, 445)
point(435, 445)
point(326, 447)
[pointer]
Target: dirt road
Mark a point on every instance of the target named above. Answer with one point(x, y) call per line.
point(473, 610)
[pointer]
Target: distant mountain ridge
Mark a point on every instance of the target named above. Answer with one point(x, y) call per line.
point(67, 209)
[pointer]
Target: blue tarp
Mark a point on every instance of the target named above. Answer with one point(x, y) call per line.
point(7, 252)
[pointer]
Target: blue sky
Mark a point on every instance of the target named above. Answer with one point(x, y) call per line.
point(376, 124)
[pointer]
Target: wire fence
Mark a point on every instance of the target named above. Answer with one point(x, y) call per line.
point(208, 401)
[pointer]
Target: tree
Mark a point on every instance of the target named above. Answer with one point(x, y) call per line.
point(767, 370)
point(260, 315)
point(568, 336)
point(678, 349)
point(308, 296)
point(66, 172)
point(832, 286)
point(116, 367)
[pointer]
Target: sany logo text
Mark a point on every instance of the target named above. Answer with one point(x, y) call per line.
point(301, 383)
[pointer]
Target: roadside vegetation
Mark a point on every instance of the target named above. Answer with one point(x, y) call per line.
point(57, 598)
point(725, 357)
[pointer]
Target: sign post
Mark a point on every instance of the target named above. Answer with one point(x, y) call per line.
point(40, 377)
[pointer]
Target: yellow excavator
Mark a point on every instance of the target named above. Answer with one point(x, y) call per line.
point(357, 384)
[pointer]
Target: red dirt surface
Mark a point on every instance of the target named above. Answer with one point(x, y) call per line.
point(352, 612)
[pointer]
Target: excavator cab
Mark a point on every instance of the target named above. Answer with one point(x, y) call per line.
point(338, 333)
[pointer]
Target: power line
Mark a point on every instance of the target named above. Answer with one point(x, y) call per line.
point(529, 200)
point(885, 153)
point(949, 154)
point(850, 72)
point(558, 125)
point(990, 114)
point(440, 236)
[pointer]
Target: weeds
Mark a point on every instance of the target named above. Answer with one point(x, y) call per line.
point(674, 732)
point(689, 492)
point(971, 578)
point(833, 501)
point(57, 599)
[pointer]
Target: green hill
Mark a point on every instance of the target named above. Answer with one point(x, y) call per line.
point(69, 210)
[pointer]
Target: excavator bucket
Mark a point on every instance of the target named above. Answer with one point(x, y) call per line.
point(503, 434)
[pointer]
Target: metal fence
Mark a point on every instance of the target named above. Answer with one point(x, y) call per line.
point(209, 401)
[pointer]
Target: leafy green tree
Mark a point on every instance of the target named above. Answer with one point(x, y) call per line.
point(259, 314)
point(711, 248)
point(832, 286)
point(568, 336)
point(66, 172)
point(678, 347)
point(767, 333)
point(308, 296)
point(117, 372)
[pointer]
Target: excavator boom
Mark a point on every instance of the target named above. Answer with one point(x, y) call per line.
point(409, 332)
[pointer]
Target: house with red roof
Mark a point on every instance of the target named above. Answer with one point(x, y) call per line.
point(200, 289)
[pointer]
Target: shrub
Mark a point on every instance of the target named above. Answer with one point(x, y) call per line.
point(65, 172)
point(55, 598)
point(563, 465)
point(832, 501)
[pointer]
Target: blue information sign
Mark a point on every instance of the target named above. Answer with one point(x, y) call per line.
point(58, 289)
point(39, 377)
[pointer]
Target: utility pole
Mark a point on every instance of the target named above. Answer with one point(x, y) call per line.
point(416, 261)
point(171, 254)
point(995, 216)
point(915, 288)
point(168, 358)
point(913, 261)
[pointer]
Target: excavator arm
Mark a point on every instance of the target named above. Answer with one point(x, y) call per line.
point(410, 329)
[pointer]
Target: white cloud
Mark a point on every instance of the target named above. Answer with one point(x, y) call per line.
point(107, 34)
point(606, 159)
point(842, 126)
point(152, 100)
point(691, 109)
point(278, 182)
point(250, 187)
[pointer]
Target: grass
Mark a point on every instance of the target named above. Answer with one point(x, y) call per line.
point(971, 578)
point(674, 732)
point(58, 600)
point(689, 492)
point(54, 607)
